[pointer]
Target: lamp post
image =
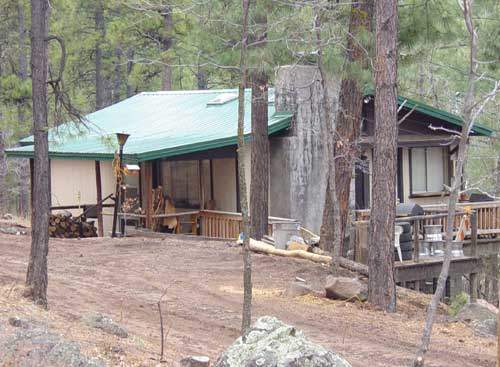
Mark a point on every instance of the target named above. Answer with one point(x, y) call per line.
point(122, 139)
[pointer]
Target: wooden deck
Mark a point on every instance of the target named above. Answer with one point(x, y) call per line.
point(429, 268)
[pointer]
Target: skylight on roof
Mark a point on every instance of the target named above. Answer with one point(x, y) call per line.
point(222, 99)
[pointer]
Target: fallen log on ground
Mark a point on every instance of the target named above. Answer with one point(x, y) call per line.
point(262, 247)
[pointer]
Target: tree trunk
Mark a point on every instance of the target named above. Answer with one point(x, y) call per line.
point(470, 110)
point(498, 328)
point(100, 90)
point(381, 286)
point(327, 231)
point(259, 185)
point(130, 66)
point(348, 121)
point(23, 174)
point(4, 202)
point(167, 41)
point(497, 179)
point(202, 79)
point(331, 238)
point(36, 278)
point(117, 85)
point(247, 258)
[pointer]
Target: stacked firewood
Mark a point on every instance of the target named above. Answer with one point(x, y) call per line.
point(64, 225)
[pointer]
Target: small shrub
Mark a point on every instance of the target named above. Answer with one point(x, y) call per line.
point(457, 303)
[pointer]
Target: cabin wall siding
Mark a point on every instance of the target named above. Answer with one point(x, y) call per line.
point(71, 179)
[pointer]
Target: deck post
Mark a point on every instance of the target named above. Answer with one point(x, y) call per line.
point(416, 241)
point(473, 242)
point(473, 287)
point(473, 233)
point(100, 225)
point(147, 191)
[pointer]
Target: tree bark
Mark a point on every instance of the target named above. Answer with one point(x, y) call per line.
point(130, 67)
point(470, 110)
point(497, 178)
point(348, 121)
point(327, 231)
point(202, 79)
point(100, 90)
point(381, 285)
point(331, 238)
point(4, 202)
point(498, 327)
point(117, 85)
point(247, 258)
point(167, 41)
point(23, 164)
point(36, 279)
point(259, 186)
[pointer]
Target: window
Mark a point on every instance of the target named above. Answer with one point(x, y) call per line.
point(427, 170)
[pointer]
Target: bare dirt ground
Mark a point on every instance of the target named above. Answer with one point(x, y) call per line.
point(124, 278)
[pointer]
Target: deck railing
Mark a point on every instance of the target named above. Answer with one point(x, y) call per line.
point(488, 216)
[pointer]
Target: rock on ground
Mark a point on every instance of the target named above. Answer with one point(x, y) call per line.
point(480, 317)
point(296, 289)
point(195, 361)
point(346, 288)
point(106, 324)
point(271, 343)
point(33, 345)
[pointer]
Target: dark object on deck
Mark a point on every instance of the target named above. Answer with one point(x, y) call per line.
point(476, 196)
point(408, 210)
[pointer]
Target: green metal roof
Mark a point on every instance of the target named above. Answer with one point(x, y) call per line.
point(428, 110)
point(170, 123)
point(160, 124)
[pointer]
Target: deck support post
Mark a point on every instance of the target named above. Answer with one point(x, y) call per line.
point(147, 191)
point(473, 287)
point(416, 241)
point(473, 239)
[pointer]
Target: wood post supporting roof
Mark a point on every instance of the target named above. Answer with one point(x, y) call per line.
point(100, 225)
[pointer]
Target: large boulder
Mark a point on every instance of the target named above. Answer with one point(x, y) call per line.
point(346, 288)
point(480, 317)
point(30, 343)
point(106, 324)
point(271, 343)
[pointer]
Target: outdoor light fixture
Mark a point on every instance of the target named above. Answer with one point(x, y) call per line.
point(122, 139)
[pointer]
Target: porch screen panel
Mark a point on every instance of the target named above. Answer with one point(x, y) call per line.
point(435, 169)
point(418, 170)
point(185, 184)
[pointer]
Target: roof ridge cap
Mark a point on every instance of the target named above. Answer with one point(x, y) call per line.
point(193, 91)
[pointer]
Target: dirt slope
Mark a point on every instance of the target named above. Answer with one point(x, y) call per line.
point(124, 278)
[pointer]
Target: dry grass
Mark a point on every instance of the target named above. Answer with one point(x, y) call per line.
point(93, 342)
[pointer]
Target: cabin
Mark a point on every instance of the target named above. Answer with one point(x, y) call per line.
point(182, 145)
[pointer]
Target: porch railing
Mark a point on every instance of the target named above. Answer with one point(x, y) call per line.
point(221, 224)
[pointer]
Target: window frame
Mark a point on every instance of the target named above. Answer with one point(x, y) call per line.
point(446, 169)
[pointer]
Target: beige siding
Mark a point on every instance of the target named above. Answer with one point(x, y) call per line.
point(73, 182)
point(224, 176)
